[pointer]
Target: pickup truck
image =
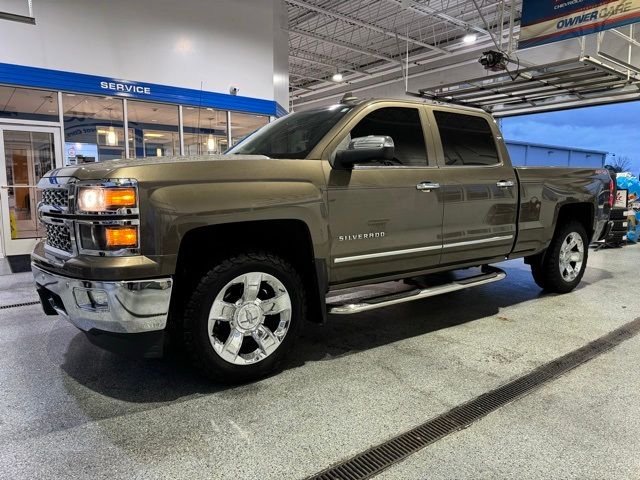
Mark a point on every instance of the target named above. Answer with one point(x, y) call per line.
point(231, 253)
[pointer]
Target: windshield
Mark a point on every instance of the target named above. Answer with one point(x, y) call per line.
point(292, 136)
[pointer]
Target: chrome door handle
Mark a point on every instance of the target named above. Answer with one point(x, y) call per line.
point(505, 184)
point(427, 186)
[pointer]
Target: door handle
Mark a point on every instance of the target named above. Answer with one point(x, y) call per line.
point(505, 184)
point(427, 186)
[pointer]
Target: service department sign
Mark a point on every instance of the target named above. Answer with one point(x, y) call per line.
point(126, 88)
point(547, 21)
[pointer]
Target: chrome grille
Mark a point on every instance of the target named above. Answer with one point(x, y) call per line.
point(56, 197)
point(59, 236)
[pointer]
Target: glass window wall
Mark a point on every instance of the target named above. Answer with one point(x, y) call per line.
point(155, 129)
point(244, 124)
point(93, 128)
point(94, 125)
point(205, 131)
point(27, 104)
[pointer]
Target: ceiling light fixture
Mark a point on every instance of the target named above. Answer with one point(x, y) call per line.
point(337, 77)
point(470, 38)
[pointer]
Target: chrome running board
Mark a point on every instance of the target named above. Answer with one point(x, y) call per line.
point(489, 275)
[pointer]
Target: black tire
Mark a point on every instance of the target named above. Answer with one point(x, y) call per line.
point(545, 268)
point(196, 316)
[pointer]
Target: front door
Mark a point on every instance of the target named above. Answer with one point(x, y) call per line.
point(26, 153)
point(383, 221)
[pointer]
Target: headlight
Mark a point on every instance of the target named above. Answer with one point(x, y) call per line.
point(104, 199)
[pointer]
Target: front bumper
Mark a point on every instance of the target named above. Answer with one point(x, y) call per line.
point(120, 307)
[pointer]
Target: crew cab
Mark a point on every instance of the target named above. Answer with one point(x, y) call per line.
point(229, 254)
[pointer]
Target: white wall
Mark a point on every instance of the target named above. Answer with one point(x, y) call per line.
point(169, 42)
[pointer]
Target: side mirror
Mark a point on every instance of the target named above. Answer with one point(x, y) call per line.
point(365, 149)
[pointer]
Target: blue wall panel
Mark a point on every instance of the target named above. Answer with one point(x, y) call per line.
point(536, 155)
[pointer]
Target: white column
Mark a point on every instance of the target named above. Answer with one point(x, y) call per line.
point(125, 114)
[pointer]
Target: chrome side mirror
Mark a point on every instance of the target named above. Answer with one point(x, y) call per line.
point(365, 149)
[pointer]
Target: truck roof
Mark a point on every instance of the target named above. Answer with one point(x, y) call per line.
point(426, 101)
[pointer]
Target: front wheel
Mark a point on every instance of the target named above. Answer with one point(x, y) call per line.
point(243, 317)
point(561, 268)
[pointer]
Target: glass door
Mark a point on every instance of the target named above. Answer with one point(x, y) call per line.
point(26, 153)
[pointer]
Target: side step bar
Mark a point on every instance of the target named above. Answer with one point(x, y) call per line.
point(489, 275)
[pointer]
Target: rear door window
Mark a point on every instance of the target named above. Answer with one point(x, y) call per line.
point(467, 140)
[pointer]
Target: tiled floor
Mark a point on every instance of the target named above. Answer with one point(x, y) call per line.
point(70, 410)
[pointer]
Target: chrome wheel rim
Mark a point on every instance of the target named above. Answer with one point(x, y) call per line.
point(571, 257)
point(249, 318)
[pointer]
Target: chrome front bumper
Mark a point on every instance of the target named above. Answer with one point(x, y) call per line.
point(119, 307)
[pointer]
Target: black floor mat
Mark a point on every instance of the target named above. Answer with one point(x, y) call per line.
point(19, 263)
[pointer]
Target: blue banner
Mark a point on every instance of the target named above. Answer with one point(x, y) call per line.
point(547, 21)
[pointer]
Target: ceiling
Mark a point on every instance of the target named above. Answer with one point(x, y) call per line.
point(365, 40)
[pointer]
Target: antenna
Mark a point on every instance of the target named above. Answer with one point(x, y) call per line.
point(348, 97)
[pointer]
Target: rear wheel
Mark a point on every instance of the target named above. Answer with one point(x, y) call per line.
point(244, 317)
point(561, 268)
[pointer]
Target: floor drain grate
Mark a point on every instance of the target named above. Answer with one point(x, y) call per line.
point(378, 458)
point(15, 305)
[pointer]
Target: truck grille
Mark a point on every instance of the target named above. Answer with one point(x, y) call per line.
point(56, 197)
point(59, 236)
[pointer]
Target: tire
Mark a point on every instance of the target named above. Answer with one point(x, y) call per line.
point(560, 269)
point(241, 342)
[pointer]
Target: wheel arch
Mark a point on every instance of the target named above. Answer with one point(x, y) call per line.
point(288, 238)
point(582, 212)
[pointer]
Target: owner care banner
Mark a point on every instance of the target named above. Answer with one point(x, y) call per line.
point(547, 21)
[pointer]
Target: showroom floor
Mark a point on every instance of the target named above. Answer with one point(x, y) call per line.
point(68, 409)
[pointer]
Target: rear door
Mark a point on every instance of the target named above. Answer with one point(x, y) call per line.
point(480, 188)
point(382, 221)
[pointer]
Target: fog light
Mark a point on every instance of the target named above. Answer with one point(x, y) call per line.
point(91, 300)
point(121, 237)
point(99, 298)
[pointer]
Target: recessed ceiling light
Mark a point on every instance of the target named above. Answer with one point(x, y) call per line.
point(154, 120)
point(52, 111)
point(337, 77)
point(470, 38)
point(70, 94)
point(189, 108)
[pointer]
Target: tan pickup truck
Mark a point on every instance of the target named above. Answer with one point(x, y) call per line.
point(231, 253)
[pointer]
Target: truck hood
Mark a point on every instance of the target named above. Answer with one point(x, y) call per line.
point(116, 168)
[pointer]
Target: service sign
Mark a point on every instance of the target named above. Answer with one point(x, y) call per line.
point(547, 21)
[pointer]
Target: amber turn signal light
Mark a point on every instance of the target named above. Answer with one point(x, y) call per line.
point(121, 237)
point(120, 197)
